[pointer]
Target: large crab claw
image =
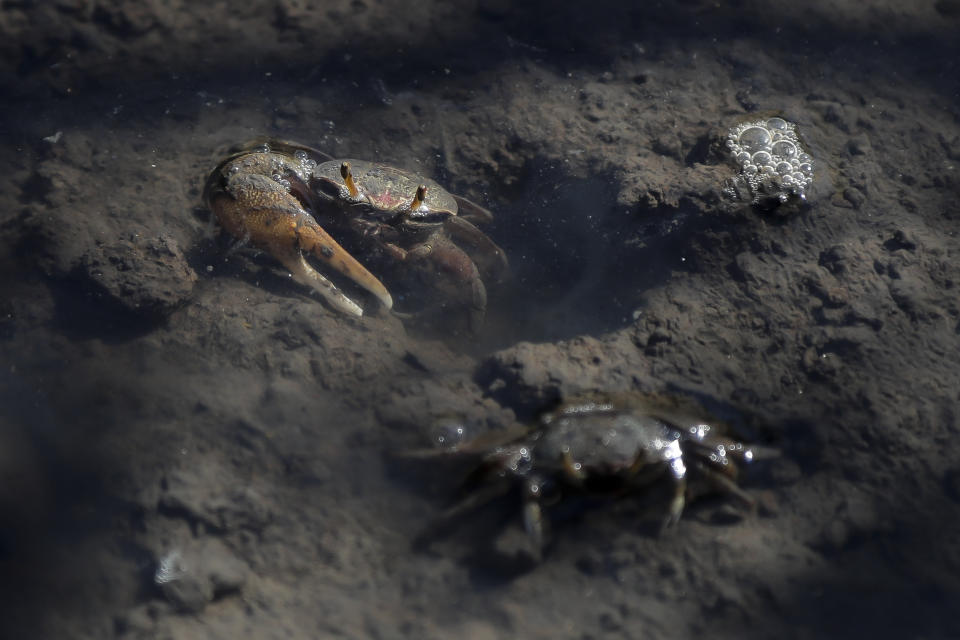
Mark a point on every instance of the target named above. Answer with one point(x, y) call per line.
point(252, 206)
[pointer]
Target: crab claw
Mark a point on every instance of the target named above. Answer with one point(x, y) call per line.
point(313, 239)
point(253, 206)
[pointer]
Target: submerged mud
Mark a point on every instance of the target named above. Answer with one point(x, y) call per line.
point(167, 403)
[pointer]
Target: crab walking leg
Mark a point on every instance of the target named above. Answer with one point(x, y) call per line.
point(446, 257)
point(725, 484)
point(257, 207)
point(489, 258)
point(533, 521)
point(572, 470)
point(446, 520)
point(677, 502)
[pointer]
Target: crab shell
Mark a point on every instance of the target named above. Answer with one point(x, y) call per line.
point(385, 190)
point(422, 224)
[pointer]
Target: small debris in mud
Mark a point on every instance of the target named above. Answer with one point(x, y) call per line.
point(196, 574)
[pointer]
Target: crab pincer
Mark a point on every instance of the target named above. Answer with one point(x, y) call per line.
point(254, 206)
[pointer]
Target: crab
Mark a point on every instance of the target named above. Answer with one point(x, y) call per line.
point(299, 204)
point(603, 444)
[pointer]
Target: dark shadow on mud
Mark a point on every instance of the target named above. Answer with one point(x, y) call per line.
point(893, 581)
point(580, 264)
point(563, 35)
point(53, 509)
point(220, 257)
point(84, 310)
point(562, 255)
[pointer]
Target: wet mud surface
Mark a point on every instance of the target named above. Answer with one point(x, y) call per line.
point(169, 404)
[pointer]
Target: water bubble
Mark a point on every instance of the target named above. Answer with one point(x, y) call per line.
point(784, 149)
point(171, 567)
point(754, 139)
point(448, 432)
point(773, 163)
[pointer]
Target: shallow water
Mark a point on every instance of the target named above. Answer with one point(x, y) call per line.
point(160, 393)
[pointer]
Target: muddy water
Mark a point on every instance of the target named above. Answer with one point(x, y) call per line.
point(167, 403)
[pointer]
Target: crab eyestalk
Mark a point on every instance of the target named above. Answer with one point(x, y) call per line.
point(348, 180)
point(419, 197)
point(404, 214)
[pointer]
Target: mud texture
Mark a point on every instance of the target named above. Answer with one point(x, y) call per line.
point(165, 401)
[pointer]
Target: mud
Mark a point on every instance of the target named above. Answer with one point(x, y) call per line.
point(162, 394)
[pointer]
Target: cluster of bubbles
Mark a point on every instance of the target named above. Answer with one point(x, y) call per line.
point(170, 568)
point(307, 164)
point(302, 167)
point(773, 164)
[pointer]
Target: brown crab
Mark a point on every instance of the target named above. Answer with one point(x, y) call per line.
point(297, 202)
point(604, 444)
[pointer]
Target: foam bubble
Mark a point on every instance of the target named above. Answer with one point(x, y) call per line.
point(784, 149)
point(772, 161)
point(754, 139)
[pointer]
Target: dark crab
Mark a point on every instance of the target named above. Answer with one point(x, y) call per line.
point(296, 202)
point(605, 444)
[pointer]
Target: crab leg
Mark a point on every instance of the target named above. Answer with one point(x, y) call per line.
point(643, 473)
point(441, 525)
point(489, 258)
point(677, 502)
point(472, 211)
point(724, 484)
point(260, 208)
point(533, 521)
